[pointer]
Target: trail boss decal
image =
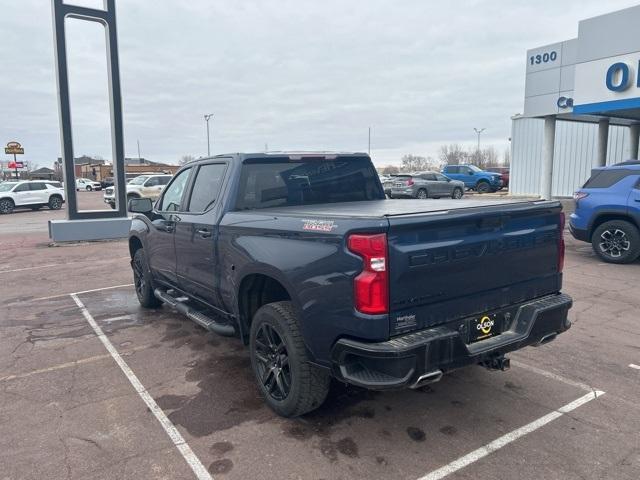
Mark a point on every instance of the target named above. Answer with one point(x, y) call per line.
point(318, 225)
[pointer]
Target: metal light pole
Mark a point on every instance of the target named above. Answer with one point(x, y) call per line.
point(479, 132)
point(369, 141)
point(206, 119)
point(139, 157)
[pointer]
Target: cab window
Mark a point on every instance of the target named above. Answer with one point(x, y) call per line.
point(23, 187)
point(172, 198)
point(37, 186)
point(206, 187)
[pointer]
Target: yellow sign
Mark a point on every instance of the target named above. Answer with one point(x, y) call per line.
point(13, 148)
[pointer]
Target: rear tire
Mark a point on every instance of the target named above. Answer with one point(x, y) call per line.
point(616, 241)
point(422, 194)
point(483, 187)
point(290, 385)
point(142, 281)
point(457, 193)
point(6, 206)
point(55, 203)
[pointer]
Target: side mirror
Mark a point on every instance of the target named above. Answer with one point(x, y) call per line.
point(140, 205)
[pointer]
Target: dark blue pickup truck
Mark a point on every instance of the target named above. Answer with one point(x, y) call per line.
point(301, 256)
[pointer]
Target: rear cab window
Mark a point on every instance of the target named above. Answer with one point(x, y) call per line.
point(281, 182)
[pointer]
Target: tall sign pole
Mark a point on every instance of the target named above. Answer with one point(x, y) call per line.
point(95, 224)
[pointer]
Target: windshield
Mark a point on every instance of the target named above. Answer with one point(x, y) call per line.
point(6, 186)
point(138, 180)
point(279, 182)
point(474, 168)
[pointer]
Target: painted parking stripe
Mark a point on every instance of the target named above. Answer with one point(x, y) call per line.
point(81, 292)
point(183, 447)
point(506, 439)
point(634, 366)
point(553, 376)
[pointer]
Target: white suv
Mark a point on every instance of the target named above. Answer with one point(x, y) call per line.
point(143, 186)
point(29, 194)
point(88, 185)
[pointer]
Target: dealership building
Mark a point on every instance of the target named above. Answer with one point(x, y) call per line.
point(581, 107)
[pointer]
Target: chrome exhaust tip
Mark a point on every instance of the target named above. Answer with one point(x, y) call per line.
point(427, 378)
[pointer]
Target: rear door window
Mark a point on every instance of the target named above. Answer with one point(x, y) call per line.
point(206, 187)
point(37, 186)
point(607, 178)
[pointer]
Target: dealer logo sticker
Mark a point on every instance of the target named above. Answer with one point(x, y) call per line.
point(485, 325)
point(319, 225)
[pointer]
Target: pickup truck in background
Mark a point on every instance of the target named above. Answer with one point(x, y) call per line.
point(301, 257)
point(149, 186)
point(474, 178)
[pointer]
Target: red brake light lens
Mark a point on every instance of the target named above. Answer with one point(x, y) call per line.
point(371, 286)
point(561, 246)
point(409, 182)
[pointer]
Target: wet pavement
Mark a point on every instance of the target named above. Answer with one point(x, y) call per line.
point(67, 410)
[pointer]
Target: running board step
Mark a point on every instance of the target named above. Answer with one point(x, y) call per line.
point(194, 315)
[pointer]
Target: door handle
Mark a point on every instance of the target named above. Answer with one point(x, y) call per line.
point(204, 233)
point(170, 227)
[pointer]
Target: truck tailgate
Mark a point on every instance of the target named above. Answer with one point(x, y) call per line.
point(460, 263)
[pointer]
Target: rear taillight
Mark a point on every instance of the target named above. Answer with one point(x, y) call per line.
point(409, 182)
point(561, 243)
point(371, 286)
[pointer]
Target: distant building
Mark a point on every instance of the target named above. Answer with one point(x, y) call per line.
point(43, 173)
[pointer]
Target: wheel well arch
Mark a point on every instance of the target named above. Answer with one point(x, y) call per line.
point(133, 194)
point(256, 290)
point(8, 198)
point(135, 244)
point(485, 180)
point(55, 195)
point(607, 217)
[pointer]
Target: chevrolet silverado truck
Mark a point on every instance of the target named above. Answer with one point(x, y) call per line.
point(302, 258)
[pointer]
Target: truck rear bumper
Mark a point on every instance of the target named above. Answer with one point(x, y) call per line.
point(405, 360)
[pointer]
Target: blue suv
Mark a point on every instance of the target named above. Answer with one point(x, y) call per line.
point(608, 212)
point(474, 178)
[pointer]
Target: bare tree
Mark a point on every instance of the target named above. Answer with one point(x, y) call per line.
point(390, 170)
point(417, 163)
point(506, 157)
point(186, 159)
point(452, 154)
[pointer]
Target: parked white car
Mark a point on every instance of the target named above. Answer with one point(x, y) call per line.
point(29, 194)
point(143, 186)
point(87, 184)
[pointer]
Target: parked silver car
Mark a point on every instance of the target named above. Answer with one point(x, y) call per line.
point(426, 185)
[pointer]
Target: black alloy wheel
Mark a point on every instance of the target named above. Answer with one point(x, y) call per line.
point(55, 203)
point(6, 206)
point(273, 366)
point(142, 281)
point(616, 241)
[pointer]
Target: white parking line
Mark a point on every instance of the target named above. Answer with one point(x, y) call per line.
point(634, 366)
point(554, 376)
point(506, 439)
point(80, 293)
point(173, 433)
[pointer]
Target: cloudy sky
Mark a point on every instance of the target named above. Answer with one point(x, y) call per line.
point(290, 74)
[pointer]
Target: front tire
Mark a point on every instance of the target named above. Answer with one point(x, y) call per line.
point(89, 188)
point(6, 206)
point(616, 241)
point(422, 194)
point(290, 385)
point(457, 193)
point(483, 187)
point(142, 280)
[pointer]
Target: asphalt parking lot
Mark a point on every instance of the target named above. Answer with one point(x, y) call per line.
point(92, 386)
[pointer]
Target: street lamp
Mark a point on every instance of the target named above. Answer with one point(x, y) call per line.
point(479, 132)
point(206, 119)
